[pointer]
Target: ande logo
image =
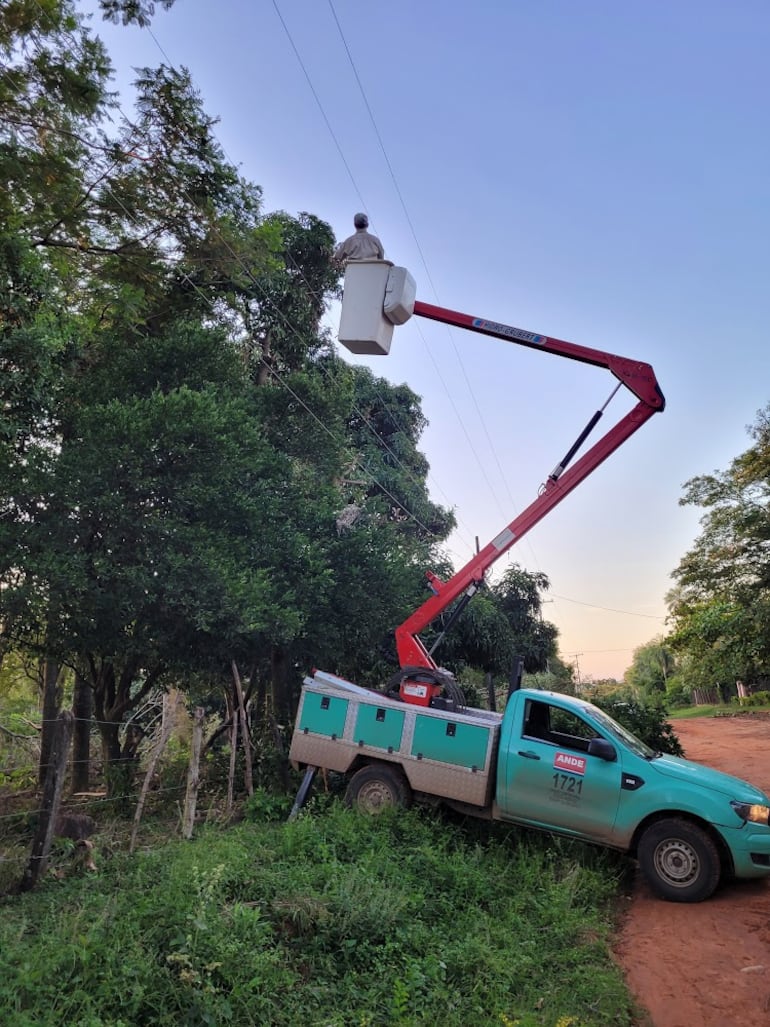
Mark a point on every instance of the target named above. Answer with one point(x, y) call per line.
point(572, 764)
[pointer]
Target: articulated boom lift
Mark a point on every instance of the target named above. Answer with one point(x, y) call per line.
point(377, 296)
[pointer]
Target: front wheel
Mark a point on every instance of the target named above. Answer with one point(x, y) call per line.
point(377, 786)
point(679, 860)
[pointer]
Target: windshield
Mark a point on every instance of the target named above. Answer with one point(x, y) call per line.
point(620, 734)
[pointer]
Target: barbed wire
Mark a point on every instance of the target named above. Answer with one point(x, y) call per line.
point(89, 803)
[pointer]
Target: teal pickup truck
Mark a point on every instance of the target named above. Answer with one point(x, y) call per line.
point(551, 762)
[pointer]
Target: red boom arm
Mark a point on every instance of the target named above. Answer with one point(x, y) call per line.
point(638, 377)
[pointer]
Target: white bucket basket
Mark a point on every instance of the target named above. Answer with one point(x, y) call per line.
point(376, 295)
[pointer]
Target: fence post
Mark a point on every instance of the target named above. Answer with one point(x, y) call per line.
point(193, 776)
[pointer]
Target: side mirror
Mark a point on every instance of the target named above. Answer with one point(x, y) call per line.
point(603, 749)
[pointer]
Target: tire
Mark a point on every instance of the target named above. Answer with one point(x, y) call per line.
point(376, 787)
point(679, 860)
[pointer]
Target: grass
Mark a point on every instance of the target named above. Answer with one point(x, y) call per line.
point(708, 710)
point(334, 920)
point(715, 710)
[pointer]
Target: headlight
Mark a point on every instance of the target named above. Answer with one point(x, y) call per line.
point(752, 814)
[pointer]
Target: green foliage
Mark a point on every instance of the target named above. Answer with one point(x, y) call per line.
point(720, 606)
point(652, 666)
point(265, 806)
point(756, 699)
point(678, 692)
point(647, 718)
point(334, 919)
point(178, 445)
point(500, 623)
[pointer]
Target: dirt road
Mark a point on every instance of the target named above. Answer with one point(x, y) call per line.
point(706, 965)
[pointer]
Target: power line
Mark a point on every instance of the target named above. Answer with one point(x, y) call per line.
point(413, 231)
point(608, 609)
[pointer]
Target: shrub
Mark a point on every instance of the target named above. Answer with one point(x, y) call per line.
point(756, 699)
point(644, 718)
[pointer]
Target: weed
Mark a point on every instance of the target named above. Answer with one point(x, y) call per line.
point(333, 919)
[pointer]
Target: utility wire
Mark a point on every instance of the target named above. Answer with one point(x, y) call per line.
point(608, 609)
point(461, 364)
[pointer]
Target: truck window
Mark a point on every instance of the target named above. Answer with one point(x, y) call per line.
point(537, 722)
point(560, 727)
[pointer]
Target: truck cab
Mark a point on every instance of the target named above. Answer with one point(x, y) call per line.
point(565, 765)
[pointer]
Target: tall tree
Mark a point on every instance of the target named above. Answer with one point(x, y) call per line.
point(502, 622)
point(182, 442)
point(721, 602)
point(652, 666)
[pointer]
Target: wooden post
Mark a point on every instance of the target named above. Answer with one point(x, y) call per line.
point(233, 748)
point(244, 731)
point(49, 806)
point(193, 777)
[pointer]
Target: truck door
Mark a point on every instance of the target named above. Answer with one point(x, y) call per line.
point(550, 780)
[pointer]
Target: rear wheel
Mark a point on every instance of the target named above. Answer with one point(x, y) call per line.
point(679, 860)
point(376, 787)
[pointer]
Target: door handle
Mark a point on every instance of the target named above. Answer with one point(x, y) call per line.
point(529, 755)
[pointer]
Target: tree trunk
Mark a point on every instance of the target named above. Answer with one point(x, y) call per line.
point(82, 705)
point(117, 771)
point(49, 807)
point(51, 706)
point(281, 697)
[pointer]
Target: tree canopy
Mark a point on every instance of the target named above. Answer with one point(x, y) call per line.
point(720, 606)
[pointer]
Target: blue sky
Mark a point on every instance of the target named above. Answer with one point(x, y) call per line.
point(594, 171)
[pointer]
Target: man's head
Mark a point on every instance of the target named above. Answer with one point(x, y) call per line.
point(361, 221)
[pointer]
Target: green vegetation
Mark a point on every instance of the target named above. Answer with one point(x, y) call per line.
point(706, 710)
point(191, 477)
point(334, 919)
point(759, 702)
point(720, 605)
point(646, 717)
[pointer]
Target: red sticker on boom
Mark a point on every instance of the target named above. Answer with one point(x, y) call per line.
point(569, 762)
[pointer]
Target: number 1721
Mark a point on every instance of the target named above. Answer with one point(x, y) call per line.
point(566, 783)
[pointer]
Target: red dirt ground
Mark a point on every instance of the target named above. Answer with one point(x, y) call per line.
point(707, 964)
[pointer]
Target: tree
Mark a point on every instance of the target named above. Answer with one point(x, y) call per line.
point(386, 469)
point(721, 602)
point(501, 622)
point(652, 666)
point(518, 593)
point(181, 442)
point(374, 562)
point(138, 480)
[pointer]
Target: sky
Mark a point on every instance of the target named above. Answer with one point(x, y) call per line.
point(594, 171)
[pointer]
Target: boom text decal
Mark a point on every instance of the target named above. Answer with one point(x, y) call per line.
point(512, 333)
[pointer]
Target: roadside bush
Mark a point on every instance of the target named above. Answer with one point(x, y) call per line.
point(756, 699)
point(678, 692)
